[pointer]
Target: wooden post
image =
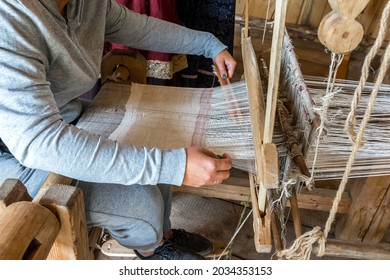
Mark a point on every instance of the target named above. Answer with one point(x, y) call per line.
point(246, 19)
point(68, 204)
point(274, 72)
point(261, 224)
point(368, 217)
point(255, 99)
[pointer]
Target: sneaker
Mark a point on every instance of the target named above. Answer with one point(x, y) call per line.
point(168, 252)
point(193, 242)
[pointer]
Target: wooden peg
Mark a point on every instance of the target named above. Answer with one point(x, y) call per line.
point(12, 190)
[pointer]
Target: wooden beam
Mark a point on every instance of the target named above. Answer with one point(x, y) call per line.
point(274, 72)
point(370, 14)
point(319, 199)
point(369, 198)
point(257, 8)
point(305, 12)
point(355, 250)
point(380, 221)
point(342, 72)
point(276, 231)
point(256, 109)
point(255, 98)
point(295, 8)
point(295, 213)
point(222, 191)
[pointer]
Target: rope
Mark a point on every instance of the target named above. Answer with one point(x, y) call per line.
point(302, 247)
point(265, 25)
point(351, 119)
point(239, 227)
point(330, 92)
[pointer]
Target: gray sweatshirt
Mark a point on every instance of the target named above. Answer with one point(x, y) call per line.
point(47, 62)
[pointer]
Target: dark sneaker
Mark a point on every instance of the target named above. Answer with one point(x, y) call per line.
point(168, 252)
point(193, 242)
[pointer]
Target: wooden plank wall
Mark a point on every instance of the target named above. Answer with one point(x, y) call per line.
point(311, 12)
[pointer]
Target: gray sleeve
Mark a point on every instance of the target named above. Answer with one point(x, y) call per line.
point(148, 33)
point(33, 130)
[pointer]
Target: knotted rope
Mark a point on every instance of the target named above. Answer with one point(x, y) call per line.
point(351, 119)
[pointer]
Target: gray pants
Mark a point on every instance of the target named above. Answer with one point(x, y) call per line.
point(136, 216)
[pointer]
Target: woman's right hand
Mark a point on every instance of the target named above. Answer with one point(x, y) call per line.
point(205, 168)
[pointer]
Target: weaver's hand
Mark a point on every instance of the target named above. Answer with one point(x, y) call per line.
point(205, 168)
point(225, 64)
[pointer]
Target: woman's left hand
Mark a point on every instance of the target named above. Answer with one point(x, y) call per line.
point(225, 64)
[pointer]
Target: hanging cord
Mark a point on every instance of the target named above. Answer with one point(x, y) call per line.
point(351, 119)
point(330, 92)
point(265, 26)
point(302, 247)
point(239, 226)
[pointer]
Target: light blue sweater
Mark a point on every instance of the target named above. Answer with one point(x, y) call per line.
point(46, 63)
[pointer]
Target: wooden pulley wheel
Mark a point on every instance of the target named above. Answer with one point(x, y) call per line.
point(338, 34)
point(124, 66)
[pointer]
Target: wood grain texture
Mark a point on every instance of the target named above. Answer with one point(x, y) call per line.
point(369, 208)
point(355, 250)
point(68, 204)
point(12, 190)
point(340, 35)
point(294, 11)
point(27, 231)
point(261, 224)
point(274, 69)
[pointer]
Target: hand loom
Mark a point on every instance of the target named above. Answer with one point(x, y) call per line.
point(237, 119)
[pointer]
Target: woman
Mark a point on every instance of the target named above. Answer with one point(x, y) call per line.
point(50, 54)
